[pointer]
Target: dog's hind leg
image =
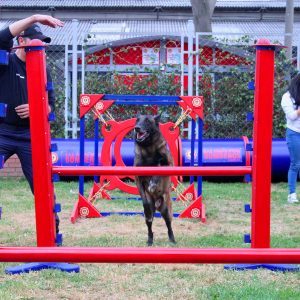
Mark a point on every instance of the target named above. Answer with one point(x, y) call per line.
point(149, 213)
point(167, 215)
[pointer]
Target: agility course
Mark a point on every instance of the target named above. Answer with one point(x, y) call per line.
point(260, 170)
point(114, 133)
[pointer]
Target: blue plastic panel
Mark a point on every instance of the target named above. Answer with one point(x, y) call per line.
point(50, 86)
point(3, 108)
point(247, 238)
point(1, 161)
point(51, 117)
point(4, 57)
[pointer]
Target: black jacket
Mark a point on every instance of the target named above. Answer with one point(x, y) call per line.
point(13, 83)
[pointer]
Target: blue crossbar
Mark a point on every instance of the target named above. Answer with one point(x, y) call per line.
point(134, 198)
point(132, 213)
point(140, 97)
point(139, 102)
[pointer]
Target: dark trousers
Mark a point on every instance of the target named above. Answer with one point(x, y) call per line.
point(16, 140)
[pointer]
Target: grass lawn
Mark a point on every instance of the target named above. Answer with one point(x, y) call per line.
point(226, 225)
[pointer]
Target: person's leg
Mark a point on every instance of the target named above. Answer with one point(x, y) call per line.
point(24, 154)
point(293, 142)
point(7, 146)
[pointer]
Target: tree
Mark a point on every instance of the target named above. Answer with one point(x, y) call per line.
point(202, 12)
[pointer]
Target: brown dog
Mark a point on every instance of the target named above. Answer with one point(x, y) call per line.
point(151, 150)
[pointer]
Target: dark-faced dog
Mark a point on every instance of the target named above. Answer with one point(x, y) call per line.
point(151, 150)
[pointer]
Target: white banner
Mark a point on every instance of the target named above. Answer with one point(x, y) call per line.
point(173, 56)
point(150, 56)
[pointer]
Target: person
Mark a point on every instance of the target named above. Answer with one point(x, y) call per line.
point(290, 104)
point(15, 127)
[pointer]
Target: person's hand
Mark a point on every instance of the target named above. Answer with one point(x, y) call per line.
point(48, 20)
point(23, 111)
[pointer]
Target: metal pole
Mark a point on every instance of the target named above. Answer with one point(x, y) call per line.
point(298, 56)
point(67, 94)
point(190, 29)
point(182, 66)
point(82, 71)
point(200, 156)
point(74, 78)
point(289, 23)
point(197, 63)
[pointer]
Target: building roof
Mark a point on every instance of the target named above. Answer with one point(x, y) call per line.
point(107, 30)
point(21, 4)
point(255, 3)
point(117, 24)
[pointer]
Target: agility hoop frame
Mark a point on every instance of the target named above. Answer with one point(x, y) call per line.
point(44, 189)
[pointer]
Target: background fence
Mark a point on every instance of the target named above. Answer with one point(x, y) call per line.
point(220, 67)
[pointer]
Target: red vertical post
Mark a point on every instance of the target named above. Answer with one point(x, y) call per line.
point(40, 143)
point(262, 144)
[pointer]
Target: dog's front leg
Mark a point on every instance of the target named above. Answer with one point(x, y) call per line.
point(167, 214)
point(149, 213)
point(148, 209)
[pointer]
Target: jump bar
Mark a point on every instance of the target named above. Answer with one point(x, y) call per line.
point(140, 97)
point(149, 255)
point(147, 171)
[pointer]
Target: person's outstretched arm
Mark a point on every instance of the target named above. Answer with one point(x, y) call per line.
point(17, 27)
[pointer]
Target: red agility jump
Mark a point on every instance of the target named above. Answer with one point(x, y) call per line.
point(148, 255)
point(146, 171)
point(44, 190)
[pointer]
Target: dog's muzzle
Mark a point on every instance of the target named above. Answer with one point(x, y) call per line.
point(140, 134)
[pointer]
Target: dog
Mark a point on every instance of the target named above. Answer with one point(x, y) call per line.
point(151, 150)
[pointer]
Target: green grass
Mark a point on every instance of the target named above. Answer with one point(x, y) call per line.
point(225, 227)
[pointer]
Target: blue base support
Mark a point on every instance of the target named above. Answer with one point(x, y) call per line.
point(26, 268)
point(272, 267)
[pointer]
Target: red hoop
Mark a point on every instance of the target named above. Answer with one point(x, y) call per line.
point(116, 133)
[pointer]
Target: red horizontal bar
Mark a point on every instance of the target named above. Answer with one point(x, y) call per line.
point(149, 255)
point(146, 171)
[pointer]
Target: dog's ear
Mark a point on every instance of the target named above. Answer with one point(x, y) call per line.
point(137, 118)
point(157, 118)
